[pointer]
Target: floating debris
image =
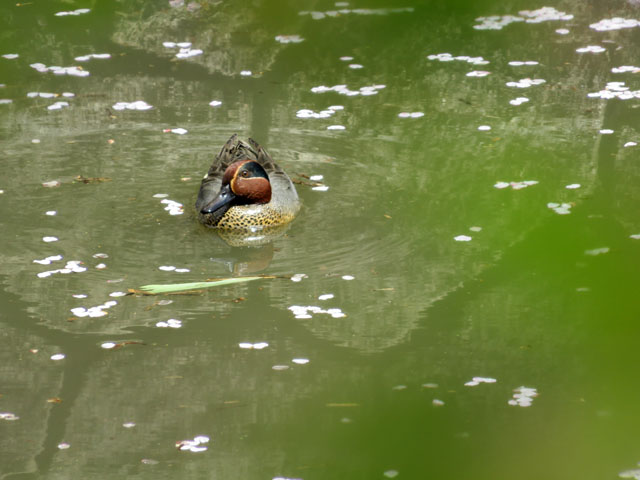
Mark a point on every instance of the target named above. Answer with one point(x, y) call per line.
point(437, 403)
point(8, 416)
point(625, 69)
point(300, 361)
point(411, 114)
point(478, 73)
point(478, 380)
point(5, 101)
point(79, 11)
point(343, 90)
point(253, 346)
point(298, 277)
point(635, 236)
point(185, 49)
point(51, 213)
point(516, 185)
point(182, 287)
point(177, 131)
point(48, 260)
point(315, 15)
point(49, 239)
point(616, 23)
point(58, 356)
point(562, 31)
point(129, 425)
point(336, 127)
point(348, 277)
point(355, 66)
point(10, 56)
point(447, 57)
point(171, 323)
point(279, 368)
point(316, 178)
point(215, 103)
point(484, 128)
point(346, 59)
point(518, 101)
point(591, 49)
point(306, 312)
point(391, 473)
point(523, 397)
point(86, 58)
point(289, 39)
point(51, 184)
point(117, 294)
point(137, 105)
point(173, 207)
point(597, 251)
point(517, 63)
point(58, 105)
point(64, 446)
point(196, 445)
point(463, 238)
point(56, 70)
point(615, 90)
point(326, 113)
point(93, 312)
point(560, 208)
point(246, 73)
point(108, 345)
point(606, 131)
point(326, 296)
point(526, 82)
point(79, 295)
point(572, 186)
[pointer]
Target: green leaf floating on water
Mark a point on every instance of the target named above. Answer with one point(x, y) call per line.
point(183, 287)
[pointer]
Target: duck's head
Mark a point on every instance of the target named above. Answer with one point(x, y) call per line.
point(245, 182)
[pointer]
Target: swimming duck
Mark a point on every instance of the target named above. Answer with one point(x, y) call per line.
point(245, 188)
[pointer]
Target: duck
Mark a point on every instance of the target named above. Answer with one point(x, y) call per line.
point(245, 188)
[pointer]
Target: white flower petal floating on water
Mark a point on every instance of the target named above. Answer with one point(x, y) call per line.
point(300, 361)
point(336, 127)
point(137, 105)
point(171, 323)
point(447, 57)
point(253, 346)
point(58, 105)
point(606, 131)
point(215, 103)
point(560, 208)
point(79, 11)
point(475, 229)
point(108, 345)
point(462, 238)
point(10, 56)
point(526, 82)
point(591, 49)
point(166, 268)
point(573, 186)
point(51, 184)
point(523, 397)
point(320, 188)
point(597, 251)
point(478, 73)
point(326, 296)
point(348, 277)
point(316, 178)
point(562, 31)
point(8, 416)
point(625, 69)
point(355, 66)
point(246, 73)
point(198, 444)
point(518, 101)
point(49, 239)
point(298, 277)
point(58, 356)
point(484, 128)
point(635, 236)
point(616, 23)
point(346, 58)
point(289, 38)
point(64, 446)
point(179, 131)
point(86, 58)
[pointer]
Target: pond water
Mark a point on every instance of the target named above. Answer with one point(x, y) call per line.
point(458, 297)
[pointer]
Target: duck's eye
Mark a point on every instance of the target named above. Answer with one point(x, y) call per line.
point(244, 173)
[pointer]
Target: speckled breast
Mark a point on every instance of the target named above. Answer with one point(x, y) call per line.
point(246, 216)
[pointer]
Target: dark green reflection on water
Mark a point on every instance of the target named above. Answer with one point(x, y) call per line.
point(535, 299)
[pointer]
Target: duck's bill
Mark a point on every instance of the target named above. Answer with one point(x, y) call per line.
point(224, 198)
